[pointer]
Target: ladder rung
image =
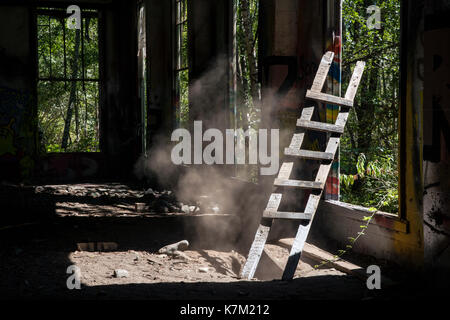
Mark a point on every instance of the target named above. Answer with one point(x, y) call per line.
point(308, 154)
point(298, 184)
point(320, 126)
point(287, 215)
point(328, 98)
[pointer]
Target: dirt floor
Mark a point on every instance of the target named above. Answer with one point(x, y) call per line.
point(99, 230)
point(29, 272)
point(198, 266)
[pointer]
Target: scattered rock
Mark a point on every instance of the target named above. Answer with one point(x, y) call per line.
point(172, 248)
point(136, 257)
point(180, 255)
point(185, 208)
point(150, 261)
point(139, 206)
point(215, 209)
point(203, 269)
point(193, 209)
point(160, 205)
point(121, 273)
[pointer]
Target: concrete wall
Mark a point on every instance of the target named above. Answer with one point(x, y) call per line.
point(161, 110)
point(387, 236)
point(210, 25)
point(436, 138)
point(18, 129)
point(120, 113)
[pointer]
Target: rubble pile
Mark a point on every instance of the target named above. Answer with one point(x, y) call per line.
point(150, 200)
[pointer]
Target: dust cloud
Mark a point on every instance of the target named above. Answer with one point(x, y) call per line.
point(211, 188)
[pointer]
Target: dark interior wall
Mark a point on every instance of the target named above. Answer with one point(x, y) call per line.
point(210, 24)
point(435, 71)
point(120, 113)
point(291, 45)
point(161, 110)
point(119, 109)
point(16, 66)
point(17, 92)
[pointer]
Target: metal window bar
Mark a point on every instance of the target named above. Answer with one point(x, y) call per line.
point(50, 37)
point(56, 13)
point(180, 58)
point(180, 25)
point(65, 55)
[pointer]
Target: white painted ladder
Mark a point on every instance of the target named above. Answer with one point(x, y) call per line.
point(326, 158)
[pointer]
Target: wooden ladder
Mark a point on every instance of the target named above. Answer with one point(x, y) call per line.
point(326, 158)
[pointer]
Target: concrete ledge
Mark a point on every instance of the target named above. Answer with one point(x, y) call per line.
point(387, 236)
point(350, 211)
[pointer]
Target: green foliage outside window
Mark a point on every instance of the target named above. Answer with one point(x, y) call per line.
point(369, 146)
point(68, 84)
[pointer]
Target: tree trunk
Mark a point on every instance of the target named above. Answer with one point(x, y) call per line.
point(73, 89)
point(247, 26)
point(242, 87)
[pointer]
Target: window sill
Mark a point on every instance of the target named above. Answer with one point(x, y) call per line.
point(354, 212)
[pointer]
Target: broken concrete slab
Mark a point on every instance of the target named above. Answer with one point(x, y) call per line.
point(140, 206)
point(97, 246)
point(172, 248)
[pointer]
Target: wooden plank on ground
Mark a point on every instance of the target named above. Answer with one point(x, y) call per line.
point(97, 246)
point(319, 255)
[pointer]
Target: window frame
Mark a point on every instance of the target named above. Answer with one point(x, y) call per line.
point(56, 10)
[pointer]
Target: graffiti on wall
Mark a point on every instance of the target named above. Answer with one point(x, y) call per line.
point(70, 166)
point(7, 139)
point(436, 144)
point(17, 145)
point(334, 88)
point(435, 148)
